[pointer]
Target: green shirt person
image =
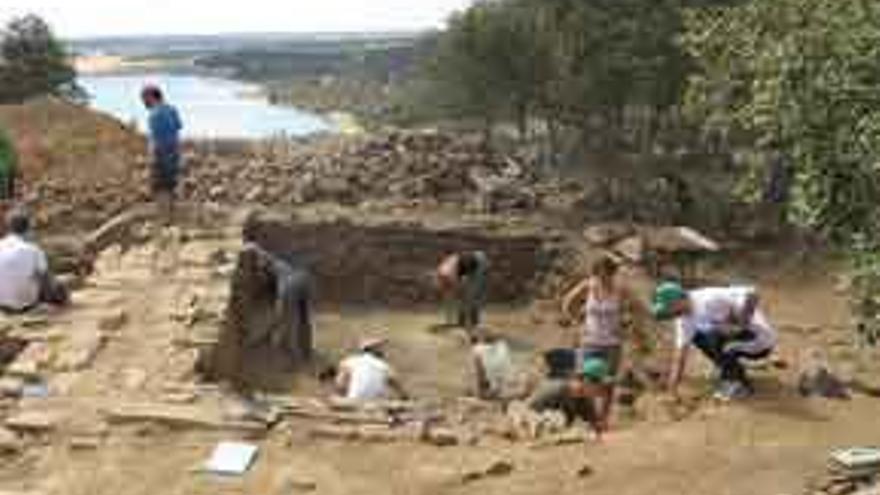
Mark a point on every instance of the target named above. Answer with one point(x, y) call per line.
point(8, 163)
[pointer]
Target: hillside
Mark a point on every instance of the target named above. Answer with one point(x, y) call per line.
point(77, 165)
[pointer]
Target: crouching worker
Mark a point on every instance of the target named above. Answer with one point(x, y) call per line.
point(367, 376)
point(25, 279)
point(569, 391)
point(462, 280)
point(725, 324)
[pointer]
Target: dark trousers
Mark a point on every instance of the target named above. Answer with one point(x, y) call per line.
point(7, 186)
point(304, 339)
point(52, 292)
point(553, 395)
point(471, 297)
point(294, 295)
point(712, 345)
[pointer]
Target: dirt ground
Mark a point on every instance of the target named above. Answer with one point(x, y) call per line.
point(128, 339)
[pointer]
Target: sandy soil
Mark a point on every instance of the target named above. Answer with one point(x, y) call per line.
point(94, 65)
point(770, 445)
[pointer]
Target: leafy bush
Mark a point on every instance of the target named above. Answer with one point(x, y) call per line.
point(864, 290)
point(34, 63)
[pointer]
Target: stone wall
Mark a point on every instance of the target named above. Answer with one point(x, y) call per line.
point(392, 265)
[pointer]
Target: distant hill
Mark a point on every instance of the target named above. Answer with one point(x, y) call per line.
point(143, 46)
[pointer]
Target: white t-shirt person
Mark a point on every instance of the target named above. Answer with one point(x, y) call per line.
point(366, 377)
point(22, 267)
point(495, 367)
point(714, 309)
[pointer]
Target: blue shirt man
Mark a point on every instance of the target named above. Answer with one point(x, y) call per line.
point(165, 126)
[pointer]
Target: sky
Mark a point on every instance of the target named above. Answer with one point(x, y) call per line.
point(86, 18)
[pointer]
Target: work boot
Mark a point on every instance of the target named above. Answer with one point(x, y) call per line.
point(729, 391)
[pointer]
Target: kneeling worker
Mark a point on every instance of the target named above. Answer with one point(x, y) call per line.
point(570, 390)
point(367, 375)
point(725, 323)
point(25, 279)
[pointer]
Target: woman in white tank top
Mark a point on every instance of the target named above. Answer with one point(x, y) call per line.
point(602, 304)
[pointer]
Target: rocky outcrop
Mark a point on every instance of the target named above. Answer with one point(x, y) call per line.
point(398, 167)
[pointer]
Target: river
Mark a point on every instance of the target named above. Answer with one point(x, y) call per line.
point(211, 108)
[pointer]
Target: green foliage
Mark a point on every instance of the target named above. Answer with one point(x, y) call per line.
point(33, 63)
point(614, 53)
point(864, 290)
point(484, 65)
point(561, 61)
point(799, 77)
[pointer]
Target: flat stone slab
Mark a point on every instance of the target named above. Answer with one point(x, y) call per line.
point(10, 442)
point(11, 386)
point(33, 421)
point(179, 416)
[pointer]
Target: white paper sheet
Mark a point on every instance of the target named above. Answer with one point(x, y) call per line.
point(231, 458)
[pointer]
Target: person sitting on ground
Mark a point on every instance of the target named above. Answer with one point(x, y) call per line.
point(367, 376)
point(493, 365)
point(725, 323)
point(25, 279)
point(462, 280)
point(165, 126)
point(603, 304)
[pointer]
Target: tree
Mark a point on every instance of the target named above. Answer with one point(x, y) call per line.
point(800, 78)
point(483, 66)
point(575, 63)
point(33, 62)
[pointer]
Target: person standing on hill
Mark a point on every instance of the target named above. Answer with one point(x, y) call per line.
point(603, 304)
point(8, 167)
point(164, 126)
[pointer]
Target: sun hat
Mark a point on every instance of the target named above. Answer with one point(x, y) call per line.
point(371, 343)
point(595, 369)
point(665, 296)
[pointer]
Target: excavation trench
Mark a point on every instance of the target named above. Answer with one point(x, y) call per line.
point(392, 265)
point(385, 266)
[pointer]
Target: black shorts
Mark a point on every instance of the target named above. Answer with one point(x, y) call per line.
point(165, 172)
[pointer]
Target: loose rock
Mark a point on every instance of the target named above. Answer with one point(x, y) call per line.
point(113, 322)
point(33, 422)
point(11, 387)
point(10, 443)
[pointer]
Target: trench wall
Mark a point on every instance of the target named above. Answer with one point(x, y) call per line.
point(393, 265)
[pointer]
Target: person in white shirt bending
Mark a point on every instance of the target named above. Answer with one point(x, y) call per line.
point(725, 323)
point(25, 279)
point(493, 366)
point(367, 376)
